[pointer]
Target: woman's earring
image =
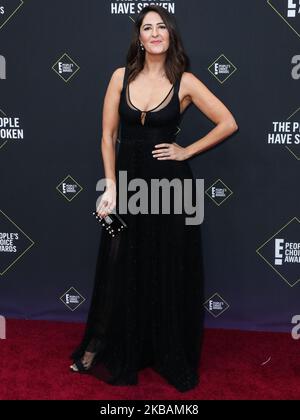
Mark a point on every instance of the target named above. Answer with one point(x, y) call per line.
point(142, 47)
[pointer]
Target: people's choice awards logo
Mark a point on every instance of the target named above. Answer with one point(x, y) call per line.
point(286, 252)
point(289, 11)
point(14, 243)
point(282, 252)
point(72, 299)
point(293, 8)
point(8, 8)
point(65, 67)
point(222, 68)
point(69, 188)
point(218, 192)
point(216, 305)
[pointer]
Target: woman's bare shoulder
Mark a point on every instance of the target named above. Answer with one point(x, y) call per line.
point(118, 77)
point(189, 78)
point(191, 83)
point(119, 72)
point(187, 85)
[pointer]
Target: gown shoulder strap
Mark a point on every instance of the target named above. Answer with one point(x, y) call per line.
point(125, 78)
point(177, 84)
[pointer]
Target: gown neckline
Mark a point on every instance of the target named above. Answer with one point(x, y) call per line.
point(150, 110)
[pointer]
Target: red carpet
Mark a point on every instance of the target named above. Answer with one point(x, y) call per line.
point(235, 365)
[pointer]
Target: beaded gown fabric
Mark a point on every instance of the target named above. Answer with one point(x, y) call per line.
point(147, 301)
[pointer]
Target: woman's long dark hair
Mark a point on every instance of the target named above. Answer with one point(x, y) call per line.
point(177, 60)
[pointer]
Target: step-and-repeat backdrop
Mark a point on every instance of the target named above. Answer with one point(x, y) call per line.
point(56, 59)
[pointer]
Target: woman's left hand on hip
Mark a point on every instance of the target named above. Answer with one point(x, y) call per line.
point(169, 151)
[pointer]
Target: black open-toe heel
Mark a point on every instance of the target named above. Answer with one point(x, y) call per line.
point(78, 366)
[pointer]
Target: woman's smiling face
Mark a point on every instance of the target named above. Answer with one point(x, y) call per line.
point(154, 34)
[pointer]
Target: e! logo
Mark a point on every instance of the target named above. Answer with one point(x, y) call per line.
point(293, 8)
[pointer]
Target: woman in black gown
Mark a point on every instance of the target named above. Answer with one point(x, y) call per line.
point(147, 302)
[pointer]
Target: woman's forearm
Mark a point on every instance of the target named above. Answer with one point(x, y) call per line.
point(215, 136)
point(108, 150)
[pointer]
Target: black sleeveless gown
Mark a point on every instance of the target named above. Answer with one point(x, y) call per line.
point(147, 303)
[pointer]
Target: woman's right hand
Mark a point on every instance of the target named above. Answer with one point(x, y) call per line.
point(107, 202)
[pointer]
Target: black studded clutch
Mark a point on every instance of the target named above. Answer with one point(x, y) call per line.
point(113, 223)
